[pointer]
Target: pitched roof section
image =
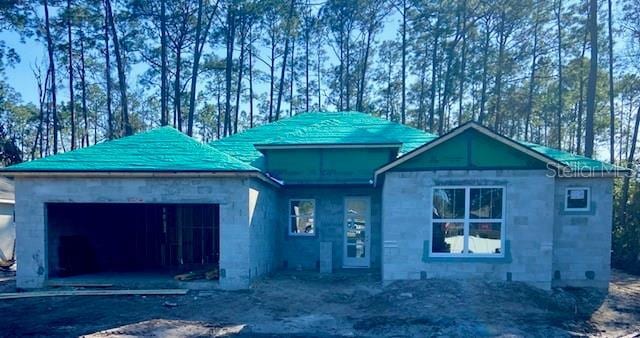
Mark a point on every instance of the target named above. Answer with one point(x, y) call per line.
point(459, 130)
point(575, 162)
point(555, 158)
point(321, 128)
point(159, 150)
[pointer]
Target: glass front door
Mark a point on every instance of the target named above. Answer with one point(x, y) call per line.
point(357, 232)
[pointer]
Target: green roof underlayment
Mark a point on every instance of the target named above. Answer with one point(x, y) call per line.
point(575, 162)
point(321, 128)
point(471, 150)
point(159, 150)
point(168, 150)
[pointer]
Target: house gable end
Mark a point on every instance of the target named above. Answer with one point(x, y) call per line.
point(470, 147)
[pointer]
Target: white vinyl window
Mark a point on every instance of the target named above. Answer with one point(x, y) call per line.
point(577, 199)
point(468, 221)
point(302, 217)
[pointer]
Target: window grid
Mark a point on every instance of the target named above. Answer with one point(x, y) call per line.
point(467, 220)
point(293, 216)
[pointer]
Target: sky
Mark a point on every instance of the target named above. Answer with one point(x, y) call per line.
point(33, 52)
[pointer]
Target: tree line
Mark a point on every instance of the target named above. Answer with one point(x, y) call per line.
point(553, 72)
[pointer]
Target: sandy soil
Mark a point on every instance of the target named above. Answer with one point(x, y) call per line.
point(343, 304)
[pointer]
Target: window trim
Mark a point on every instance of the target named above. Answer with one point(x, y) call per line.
point(290, 216)
point(468, 220)
point(566, 198)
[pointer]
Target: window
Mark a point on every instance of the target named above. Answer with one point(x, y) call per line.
point(577, 199)
point(468, 221)
point(301, 217)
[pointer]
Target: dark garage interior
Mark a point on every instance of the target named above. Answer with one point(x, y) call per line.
point(85, 238)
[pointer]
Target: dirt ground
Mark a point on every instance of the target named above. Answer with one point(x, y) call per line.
point(342, 304)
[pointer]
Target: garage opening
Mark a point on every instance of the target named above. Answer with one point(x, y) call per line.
point(86, 238)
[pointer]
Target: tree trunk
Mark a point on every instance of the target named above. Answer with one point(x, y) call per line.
point(434, 72)
point(250, 80)
point(404, 62)
point(580, 98)
point(421, 97)
point(347, 72)
point(319, 75)
point(83, 84)
point(272, 68)
point(560, 79)
point(42, 98)
point(198, 46)
point(306, 69)
point(194, 71)
point(239, 88)
point(532, 76)
point(485, 72)
point(219, 108)
point(164, 100)
point(107, 74)
point(284, 58)
point(52, 69)
point(72, 106)
point(122, 80)
point(177, 100)
point(611, 103)
point(363, 74)
point(593, 77)
point(502, 39)
point(463, 60)
point(231, 31)
point(292, 76)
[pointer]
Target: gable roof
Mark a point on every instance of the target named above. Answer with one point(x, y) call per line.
point(321, 128)
point(166, 150)
point(162, 149)
point(552, 157)
point(573, 161)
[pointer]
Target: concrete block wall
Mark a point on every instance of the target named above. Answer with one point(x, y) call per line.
point(32, 194)
point(7, 230)
point(529, 218)
point(582, 239)
point(304, 252)
point(263, 226)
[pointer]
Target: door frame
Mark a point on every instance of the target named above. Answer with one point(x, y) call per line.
point(367, 259)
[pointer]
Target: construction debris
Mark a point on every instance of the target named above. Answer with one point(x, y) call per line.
point(31, 294)
point(194, 275)
point(213, 274)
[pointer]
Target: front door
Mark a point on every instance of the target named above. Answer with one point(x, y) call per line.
point(357, 232)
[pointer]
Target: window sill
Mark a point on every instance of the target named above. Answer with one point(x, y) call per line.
point(302, 236)
point(504, 259)
point(588, 212)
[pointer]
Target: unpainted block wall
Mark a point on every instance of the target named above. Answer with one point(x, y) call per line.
point(7, 230)
point(263, 223)
point(582, 239)
point(406, 220)
point(231, 193)
point(304, 252)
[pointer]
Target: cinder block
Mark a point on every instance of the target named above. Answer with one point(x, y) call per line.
point(326, 257)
